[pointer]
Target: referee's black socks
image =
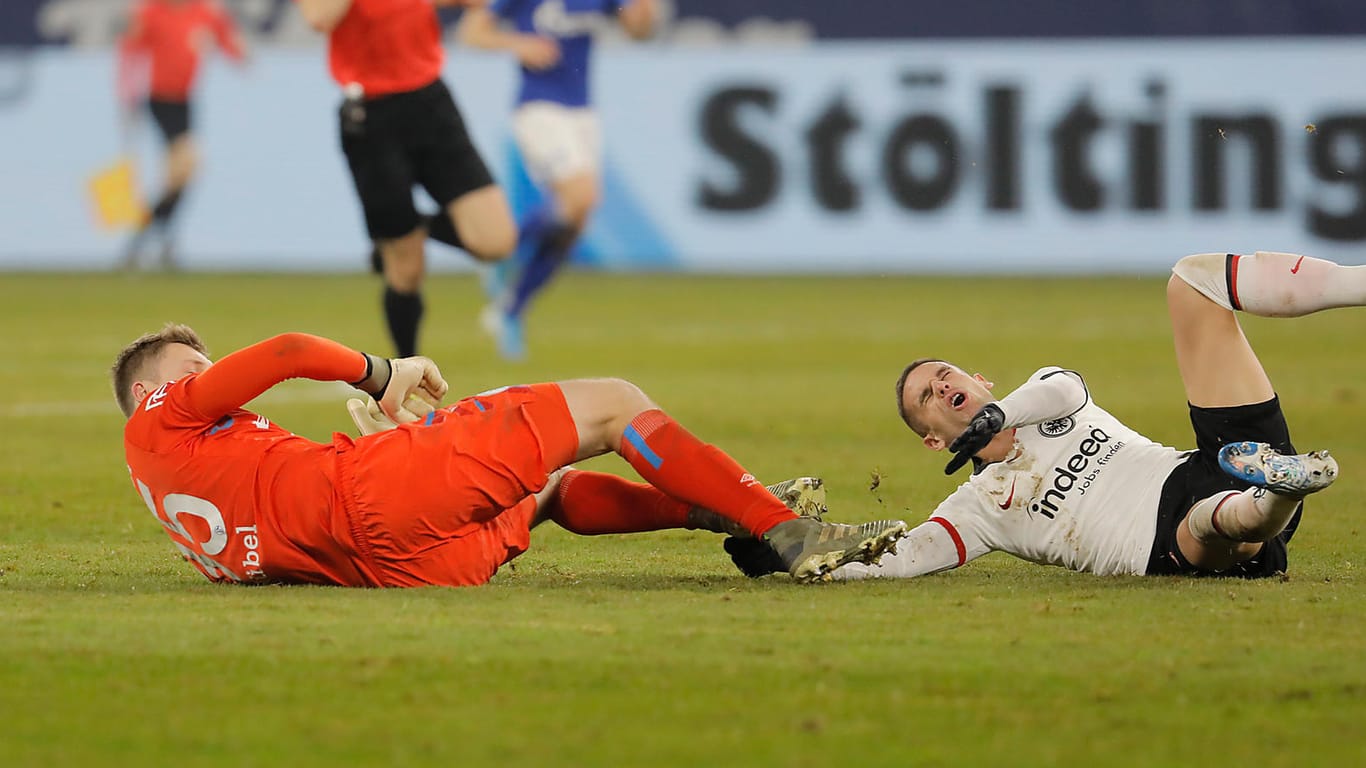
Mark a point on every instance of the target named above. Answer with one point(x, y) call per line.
point(165, 207)
point(404, 313)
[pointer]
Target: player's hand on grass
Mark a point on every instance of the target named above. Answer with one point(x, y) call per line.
point(980, 431)
point(415, 389)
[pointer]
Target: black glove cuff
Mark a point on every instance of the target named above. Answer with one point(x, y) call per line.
point(378, 371)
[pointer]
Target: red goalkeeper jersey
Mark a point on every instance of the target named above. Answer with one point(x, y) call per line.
point(170, 35)
point(241, 498)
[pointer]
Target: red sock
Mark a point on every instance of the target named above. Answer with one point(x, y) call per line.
point(592, 503)
point(671, 459)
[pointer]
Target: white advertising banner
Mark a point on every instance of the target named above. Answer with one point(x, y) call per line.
point(954, 156)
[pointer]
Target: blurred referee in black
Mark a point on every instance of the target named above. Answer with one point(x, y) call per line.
point(400, 127)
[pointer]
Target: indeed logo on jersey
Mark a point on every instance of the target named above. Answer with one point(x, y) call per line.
point(1068, 477)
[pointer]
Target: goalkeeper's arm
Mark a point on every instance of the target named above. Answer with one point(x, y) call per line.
point(243, 375)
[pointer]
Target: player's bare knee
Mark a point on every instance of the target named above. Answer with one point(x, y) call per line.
point(576, 209)
point(602, 409)
point(633, 399)
point(490, 242)
point(1178, 289)
point(1192, 307)
point(1205, 274)
point(627, 401)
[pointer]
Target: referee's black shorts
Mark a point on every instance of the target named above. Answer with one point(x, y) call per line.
point(1200, 477)
point(414, 137)
point(172, 117)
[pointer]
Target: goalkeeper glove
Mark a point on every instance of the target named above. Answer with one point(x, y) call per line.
point(983, 427)
point(370, 419)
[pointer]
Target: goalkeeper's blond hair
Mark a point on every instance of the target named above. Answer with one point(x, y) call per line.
point(136, 359)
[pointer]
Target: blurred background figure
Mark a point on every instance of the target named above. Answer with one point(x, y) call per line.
point(400, 128)
point(159, 59)
point(557, 133)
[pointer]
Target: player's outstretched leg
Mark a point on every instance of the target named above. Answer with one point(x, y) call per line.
point(1260, 465)
point(803, 495)
point(595, 503)
point(614, 415)
point(812, 549)
point(760, 557)
point(673, 460)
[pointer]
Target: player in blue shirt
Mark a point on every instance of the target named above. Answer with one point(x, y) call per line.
point(555, 127)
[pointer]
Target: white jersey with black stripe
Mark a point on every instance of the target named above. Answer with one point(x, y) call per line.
point(1080, 491)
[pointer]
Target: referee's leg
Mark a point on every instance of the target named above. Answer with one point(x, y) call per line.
point(383, 176)
point(484, 222)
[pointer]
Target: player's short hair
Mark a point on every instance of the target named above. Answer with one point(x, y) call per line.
point(914, 424)
point(138, 357)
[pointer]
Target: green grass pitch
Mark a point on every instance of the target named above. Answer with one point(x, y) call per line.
point(650, 650)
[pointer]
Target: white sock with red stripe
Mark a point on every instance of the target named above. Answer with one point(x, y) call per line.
point(1252, 515)
point(1272, 284)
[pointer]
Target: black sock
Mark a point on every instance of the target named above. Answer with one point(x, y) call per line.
point(165, 207)
point(441, 228)
point(404, 312)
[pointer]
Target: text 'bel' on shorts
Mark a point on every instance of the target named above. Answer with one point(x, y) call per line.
point(448, 500)
point(172, 117)
point(403, 139)
point(1200, 477)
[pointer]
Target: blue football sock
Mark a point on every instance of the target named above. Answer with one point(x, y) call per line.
point(549, 241)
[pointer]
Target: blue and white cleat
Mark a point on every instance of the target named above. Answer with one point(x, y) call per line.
point(1260, 465)
point(511, 345)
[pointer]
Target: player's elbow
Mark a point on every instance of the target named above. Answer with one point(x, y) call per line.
point(1074, 389)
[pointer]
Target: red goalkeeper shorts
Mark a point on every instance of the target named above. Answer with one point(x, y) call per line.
point(447, 500)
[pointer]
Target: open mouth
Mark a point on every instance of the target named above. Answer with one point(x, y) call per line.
point(958, 399)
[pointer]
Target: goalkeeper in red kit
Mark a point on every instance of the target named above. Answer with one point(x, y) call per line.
point(443, 499)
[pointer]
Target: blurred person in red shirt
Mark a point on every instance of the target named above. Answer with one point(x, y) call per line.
point(158, 63)
point(400, 127)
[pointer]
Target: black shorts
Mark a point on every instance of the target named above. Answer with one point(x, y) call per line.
point(1200, 477)
point(414, 137)
point(171, 117)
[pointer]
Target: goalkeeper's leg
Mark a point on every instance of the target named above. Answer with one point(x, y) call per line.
point(593, 503)
point(614, 415)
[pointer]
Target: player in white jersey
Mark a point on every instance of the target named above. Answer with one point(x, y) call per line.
point(556, 129)
point(1057, 480)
